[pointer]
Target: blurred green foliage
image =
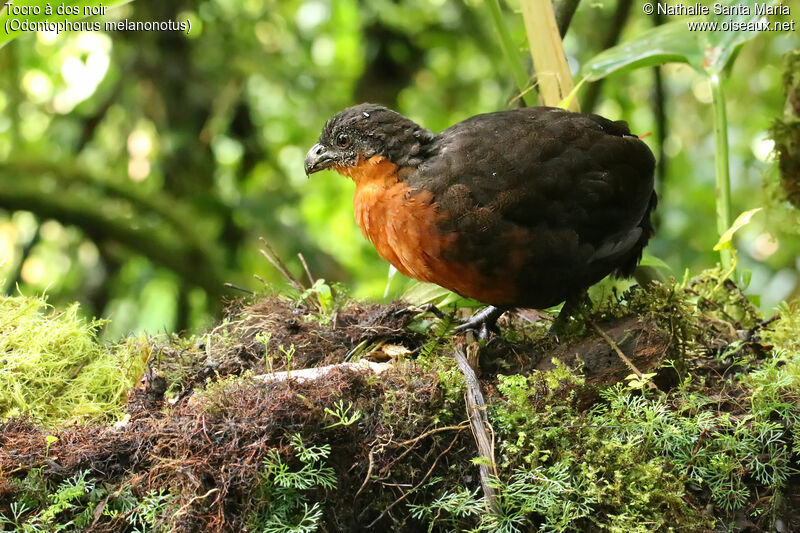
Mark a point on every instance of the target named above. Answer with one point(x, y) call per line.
point(138, 169)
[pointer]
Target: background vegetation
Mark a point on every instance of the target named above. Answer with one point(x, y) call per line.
point(138, 169)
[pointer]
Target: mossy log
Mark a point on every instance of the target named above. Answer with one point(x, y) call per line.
point(225, 432)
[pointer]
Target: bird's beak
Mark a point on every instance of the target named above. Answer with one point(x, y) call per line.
point(318, 159)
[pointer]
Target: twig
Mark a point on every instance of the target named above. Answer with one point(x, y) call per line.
point(185, 506)
point(238, 288)
point(408, 442)
point(418, 485)
point(408, 450)
point(748, 334)
point(205, 432)
point(311, 374)
point(476, 409)
point(428, 308)
point(369, 473)
point(305, 267)
point(621, 355)
point(273, 258)
point(462, 426)
point(306, 374)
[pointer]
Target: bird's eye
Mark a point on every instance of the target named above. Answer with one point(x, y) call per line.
point(343, 140)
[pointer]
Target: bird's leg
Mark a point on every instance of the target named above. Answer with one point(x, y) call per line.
point(483, 321)
point(430, 308)
point(571, 307)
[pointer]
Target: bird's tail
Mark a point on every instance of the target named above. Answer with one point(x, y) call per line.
point(625, 270)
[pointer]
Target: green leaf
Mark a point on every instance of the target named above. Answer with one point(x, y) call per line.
point(706, 51)
point(389, 278)
point(419, 293)
point(424, 293)
point(653, 261)
point(719, 46)
point(725, 241)
point(567, 101)
point(672, 42)
point(7, 34)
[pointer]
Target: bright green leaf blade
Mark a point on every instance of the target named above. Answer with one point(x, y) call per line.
point(567, 101)
point(653, 261)
point(389, 278)
point(424, 293)
point(742, 220)
point(719, 46)
point(672, 42)
point(452, 299)
point(7, 34)
point(420, 293)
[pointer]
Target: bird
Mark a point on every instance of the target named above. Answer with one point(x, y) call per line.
point(521, 208)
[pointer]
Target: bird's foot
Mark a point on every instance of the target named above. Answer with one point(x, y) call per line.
point(572, 308)
point(560, 325)
point(483, 322)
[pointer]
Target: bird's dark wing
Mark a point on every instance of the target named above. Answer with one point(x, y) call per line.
point(568, 187)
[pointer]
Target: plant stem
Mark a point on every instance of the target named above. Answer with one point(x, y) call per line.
point(552, 70)
point(512, 54)
point(721, 163)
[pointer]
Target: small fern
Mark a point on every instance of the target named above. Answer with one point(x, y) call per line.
point(284, 505)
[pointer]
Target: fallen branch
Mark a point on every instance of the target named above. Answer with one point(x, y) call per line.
point(310, 374)
point(476, 410)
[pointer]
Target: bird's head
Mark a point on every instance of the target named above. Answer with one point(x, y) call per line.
point(366, 130)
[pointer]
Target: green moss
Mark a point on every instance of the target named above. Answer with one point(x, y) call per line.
point(718, 298)
point(413, 399)
point(451, 380)
point(627, 464)
point(783, 334)
point(432, 380)
point(718, 444)
point(55, 370)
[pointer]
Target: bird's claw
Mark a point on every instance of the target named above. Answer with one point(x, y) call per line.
point(484, 322)
point(480, 328)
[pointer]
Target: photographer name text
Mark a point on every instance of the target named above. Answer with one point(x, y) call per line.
point(760, 9)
